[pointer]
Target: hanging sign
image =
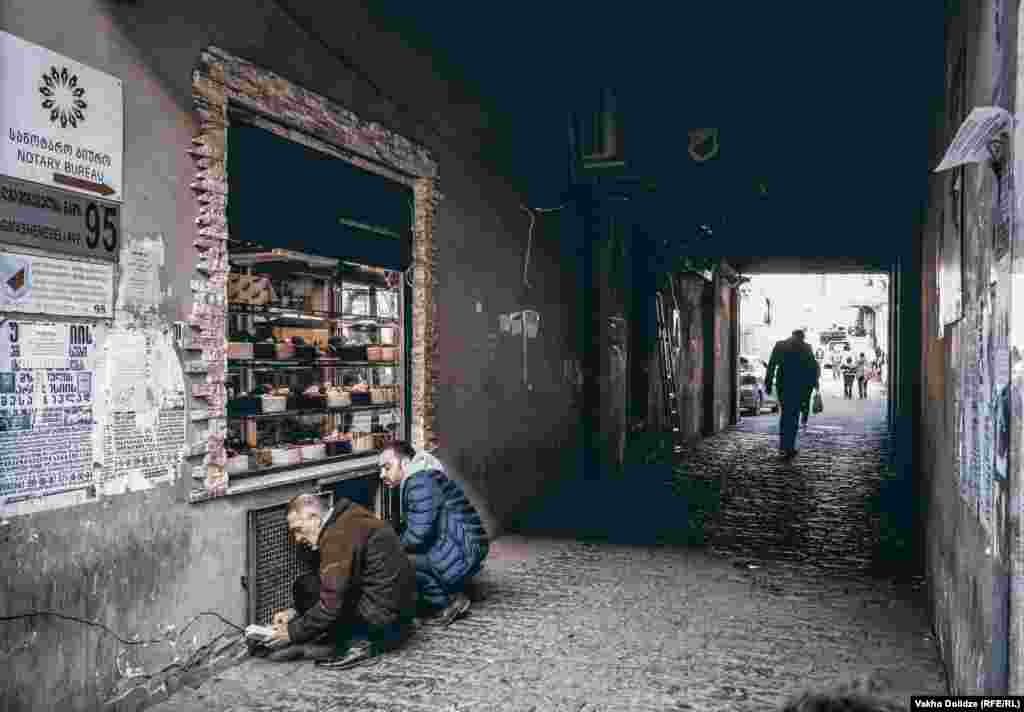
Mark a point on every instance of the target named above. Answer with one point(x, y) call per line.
point(58, 220)
point(703, 144)
point(62, 121)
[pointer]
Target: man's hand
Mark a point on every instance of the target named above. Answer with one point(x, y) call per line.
point(284, 616)
point(279, 637)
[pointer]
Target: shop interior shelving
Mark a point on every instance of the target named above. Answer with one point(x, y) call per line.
point(327, 303)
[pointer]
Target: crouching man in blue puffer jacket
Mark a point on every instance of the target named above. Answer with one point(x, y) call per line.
point(442, 531)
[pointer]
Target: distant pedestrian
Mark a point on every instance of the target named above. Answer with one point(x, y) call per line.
point(849, 370)
point(796, 373)
point(837, 364)
point(862, 376)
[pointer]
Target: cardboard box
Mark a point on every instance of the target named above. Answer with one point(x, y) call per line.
point(250, 289)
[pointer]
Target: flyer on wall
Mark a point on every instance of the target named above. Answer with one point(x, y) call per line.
point(33, 284)
point(47, 391)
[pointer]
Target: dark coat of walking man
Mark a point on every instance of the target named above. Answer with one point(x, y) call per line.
point(795, 373)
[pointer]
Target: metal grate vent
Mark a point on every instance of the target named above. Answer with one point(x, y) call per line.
point(387, 504)
point(273, 561)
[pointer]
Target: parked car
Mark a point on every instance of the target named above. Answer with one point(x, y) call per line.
point(750, 362)
point(754, 397)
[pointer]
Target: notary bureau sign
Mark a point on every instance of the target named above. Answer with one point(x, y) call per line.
point(57, 220)
point(61, 121)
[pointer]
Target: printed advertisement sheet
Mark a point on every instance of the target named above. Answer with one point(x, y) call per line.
point(972, 141)
point(31, 284)
point(46, 407)
point(145, 432)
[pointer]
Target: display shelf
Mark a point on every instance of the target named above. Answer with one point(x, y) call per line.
point(268, 365)
point(273, 469)
point(323, 302)
point(324, 315)
point(254, 258)
point(315, 411)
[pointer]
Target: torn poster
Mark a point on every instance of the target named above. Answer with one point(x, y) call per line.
point(972, 143)
point(145, 428)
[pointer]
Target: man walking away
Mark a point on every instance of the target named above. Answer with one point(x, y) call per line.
point(849, 370)
point(794, 371)
point(442, 531)
point(862, 376)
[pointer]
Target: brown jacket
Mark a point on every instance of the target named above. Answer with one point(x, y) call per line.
point(365, 574)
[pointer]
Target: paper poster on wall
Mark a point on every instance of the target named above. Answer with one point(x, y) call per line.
point(142, 258)
point(32, 284)
point(47, 391)
point(973, 140)
point(145, 387)
point(950, 254)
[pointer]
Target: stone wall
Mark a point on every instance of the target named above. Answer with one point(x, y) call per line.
point(965, 365)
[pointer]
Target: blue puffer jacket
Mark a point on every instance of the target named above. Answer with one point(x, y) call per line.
point(441, 523)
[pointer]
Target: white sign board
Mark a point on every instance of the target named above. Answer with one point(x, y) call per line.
point(62, 121)
point(971, 143)
point(31, 284)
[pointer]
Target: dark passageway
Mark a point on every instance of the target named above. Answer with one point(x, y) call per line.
point(837, 508)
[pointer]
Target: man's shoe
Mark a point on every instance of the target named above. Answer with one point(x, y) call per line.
point(458, 607)
point(360, 653)
point(302, 651)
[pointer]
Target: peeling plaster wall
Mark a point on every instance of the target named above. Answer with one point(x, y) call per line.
point(965, 499)
point(724, 387)
point(138, 557)
point(690, 361)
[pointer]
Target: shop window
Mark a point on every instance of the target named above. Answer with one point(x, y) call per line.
point(314, 359)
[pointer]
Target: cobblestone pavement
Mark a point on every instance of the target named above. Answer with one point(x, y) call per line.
point(822, 510)
point(778, 602)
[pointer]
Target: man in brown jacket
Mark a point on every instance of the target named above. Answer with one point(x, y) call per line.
point(367, 585)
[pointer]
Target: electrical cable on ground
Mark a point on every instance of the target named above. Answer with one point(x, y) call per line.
point(97, 624)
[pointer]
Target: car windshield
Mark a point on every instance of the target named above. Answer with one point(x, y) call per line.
point(748, 381)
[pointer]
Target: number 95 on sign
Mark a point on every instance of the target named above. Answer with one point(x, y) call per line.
point(97, 230)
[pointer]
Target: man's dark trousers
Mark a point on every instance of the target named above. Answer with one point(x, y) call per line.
point(789, 419)
point(306, 593)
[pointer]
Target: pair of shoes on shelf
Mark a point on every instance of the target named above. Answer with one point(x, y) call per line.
point(457, 608)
